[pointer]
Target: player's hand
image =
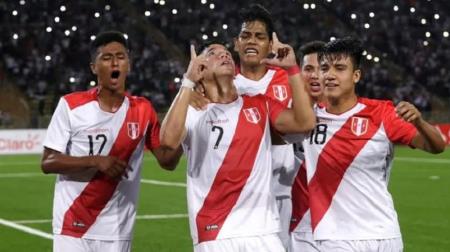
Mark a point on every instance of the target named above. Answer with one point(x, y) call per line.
point(196, 67)
point(283, 54)
point(111, 166)
point(408, 112)
point(198, 99)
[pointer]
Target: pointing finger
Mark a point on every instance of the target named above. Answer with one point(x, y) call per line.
point(275, 38)
point(193, 53)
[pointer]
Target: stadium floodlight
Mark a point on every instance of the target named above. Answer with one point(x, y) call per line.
point(423, 21)
point(96, 15)
point(14, 13)
point(369, 56)
point(15, 36)
point(425, 43)
point(412, 9)
point(107, 7)
point(125, 36)
point(205, 37)
point(395, 8)
point(174, 11)
point(367, 25)
point(92, 37)
point(147, 13)
point(313, 6)
point(364, 53)
point(427, 34)
point(62, 8)
point(156, 1)
point(22, 2)
point(332, 38)
point(67, 32)
point(48, 29)
point(177, 79)
point(215, 34)
point(225, 26)
point(203, 1)
point(329, 1)
point(57, 19)
point(376, 59)
point(74, 28)
point(162, 2)
point(445, 34)
point(212, 6)
point(48, 57)
point(71, 79)
point(92, 83)
point(436, 16)
point(353, 16)
point(305, 6)
point(371, 14)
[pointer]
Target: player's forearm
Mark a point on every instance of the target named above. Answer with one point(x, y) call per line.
point(432, 139)
point(65, 164)
point(301, 104)
point(173, 125)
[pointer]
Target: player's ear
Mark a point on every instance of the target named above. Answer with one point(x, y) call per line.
point(236, 47)
point(356, 75)
point(93, 69)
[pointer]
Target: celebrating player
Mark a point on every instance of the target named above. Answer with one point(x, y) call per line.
point(95, 144)
point(301, 238)
point(231, 205)
point(349, 157)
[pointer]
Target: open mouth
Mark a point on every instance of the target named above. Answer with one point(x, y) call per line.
point(251, 51)
point(115, 74)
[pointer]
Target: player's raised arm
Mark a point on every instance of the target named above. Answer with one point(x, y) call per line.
point(173, 128)
point(428, 138)
point(301, 118)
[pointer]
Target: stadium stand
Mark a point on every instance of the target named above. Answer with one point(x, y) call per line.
point(44, 45)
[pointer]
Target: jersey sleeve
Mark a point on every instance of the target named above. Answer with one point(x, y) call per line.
point(397, 129)
point(152, 136)
point(275, 108)
point(59, 131)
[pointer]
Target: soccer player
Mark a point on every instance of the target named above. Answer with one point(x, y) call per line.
point(95, 144)
point(231, 206)
point(301, 238)
point(349, 157)
point(253, 44)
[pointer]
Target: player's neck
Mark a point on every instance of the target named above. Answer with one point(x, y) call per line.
point(221, 90)
point(253, 72)
point(342, 104)
point(110, 100)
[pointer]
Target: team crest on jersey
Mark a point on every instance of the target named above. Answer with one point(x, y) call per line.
point(280, 92)
point(359, 125)
point(252, 115)
point(133, 130)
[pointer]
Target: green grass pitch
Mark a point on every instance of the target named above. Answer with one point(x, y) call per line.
point(420, 185)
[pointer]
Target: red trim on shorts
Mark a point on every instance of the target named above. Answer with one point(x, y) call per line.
point(300, 197)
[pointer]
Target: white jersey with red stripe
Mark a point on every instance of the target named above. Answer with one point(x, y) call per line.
point(229, 169)
point(89, 204)
point(274, 84)
point(348, 161)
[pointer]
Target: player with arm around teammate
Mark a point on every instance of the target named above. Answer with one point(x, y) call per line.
point(230, 202)
point(95, 143)
point(349, 157)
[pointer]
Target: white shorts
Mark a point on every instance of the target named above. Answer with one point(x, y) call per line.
point(382, 245)
point(261, 243)
point(284, 204)
point(302, 242)
point(64, 243)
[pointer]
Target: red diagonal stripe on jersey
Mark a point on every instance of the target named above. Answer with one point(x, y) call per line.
point(233, 173)
point(334, 160)
point(87, 206)
point(300, 197)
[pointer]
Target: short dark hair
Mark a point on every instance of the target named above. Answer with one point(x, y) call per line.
point(344, 47)
point(107, 37)
point(207, 43)
point(315, 46)
point(257, 12)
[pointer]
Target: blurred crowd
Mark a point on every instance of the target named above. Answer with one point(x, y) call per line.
point(44, 44)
